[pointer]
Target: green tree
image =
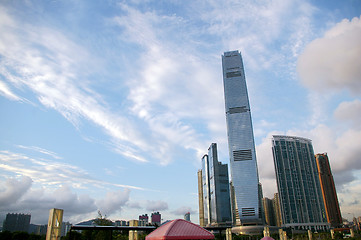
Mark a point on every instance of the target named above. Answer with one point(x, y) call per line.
point(102, 221)
point(20, 236)
point(6, 235)
point(99, 234)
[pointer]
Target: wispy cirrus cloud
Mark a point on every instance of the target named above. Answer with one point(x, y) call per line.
point(41, 150)
point(42, 60)
point(6, 92)
point(166, 92)
point(52, 173)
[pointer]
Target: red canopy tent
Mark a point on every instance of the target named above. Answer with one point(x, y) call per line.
point(179, 229)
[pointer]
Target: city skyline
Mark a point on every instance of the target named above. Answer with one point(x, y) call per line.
point(110, 106)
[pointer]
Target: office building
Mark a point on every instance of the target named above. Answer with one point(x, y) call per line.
point(328, 189)
point(41, 229)
point(215, 187)
point(143, 220)
point(187, 216)
point(241, 146)
point(16, 222)
point(156, 218)
point(298, 183)
point(65, 228)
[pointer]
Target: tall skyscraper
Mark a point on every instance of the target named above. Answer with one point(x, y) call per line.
point(298, 184)
point(215, 190)
point(242, 152)
point(328, 190)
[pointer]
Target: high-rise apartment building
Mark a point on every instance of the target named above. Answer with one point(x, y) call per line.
point(16, 222)
point(143, 220)
point(156, 218)
point(298, 183)
point(244, 173)
point(215, 190)
point(328, 190)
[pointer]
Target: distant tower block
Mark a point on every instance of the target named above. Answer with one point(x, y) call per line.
point(54, 224)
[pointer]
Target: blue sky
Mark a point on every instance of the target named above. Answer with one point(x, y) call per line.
point(110, 105)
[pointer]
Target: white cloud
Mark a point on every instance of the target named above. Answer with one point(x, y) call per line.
point(349, 112)
point(41, 150)
point(349, 199)
point(257, 29)
point(113, 202)
point(21, 196)
point(53, 73)
point(6, 92)
point(13, 190)
point(183, 210)
point(167, 91)
point(134, 204)
point(159, 205)
point(265, 164)
point(333, 61)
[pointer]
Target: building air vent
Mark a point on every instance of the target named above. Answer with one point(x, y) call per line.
point(242, 155)
point(233, 74)
point(246, 212)
point(238, 110)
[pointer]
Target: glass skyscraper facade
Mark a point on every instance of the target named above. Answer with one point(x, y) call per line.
point(242, 152)
point(298, 183)
point(215, 189)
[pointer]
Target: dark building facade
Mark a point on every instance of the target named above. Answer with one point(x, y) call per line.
point(215, 194)
point(328, 189)
point(17, 222)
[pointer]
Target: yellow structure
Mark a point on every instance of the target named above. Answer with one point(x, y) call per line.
point(229, 234)
point(200, 199)
point(54, 224)
point(309, 234)
point(133, 234)
point(266, 232)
